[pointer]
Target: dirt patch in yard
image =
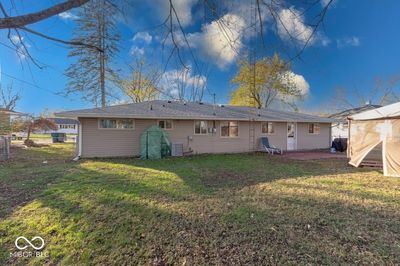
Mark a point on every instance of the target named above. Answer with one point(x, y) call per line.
point(314, 155)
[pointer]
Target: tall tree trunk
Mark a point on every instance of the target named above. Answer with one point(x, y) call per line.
point(102, 62)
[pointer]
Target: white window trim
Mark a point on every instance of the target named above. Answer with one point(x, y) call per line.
point(172, 124)
point(227, 137)
point(308, 129)
point(103, 128)
point(273, 126)
point(194, 128)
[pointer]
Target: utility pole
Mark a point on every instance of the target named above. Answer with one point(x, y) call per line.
point(214, 103)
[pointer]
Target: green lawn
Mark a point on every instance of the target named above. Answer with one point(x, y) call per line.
point(46, 136)
point(40, 136)
point(209, 209)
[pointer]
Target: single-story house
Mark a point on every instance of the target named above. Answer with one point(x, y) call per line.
point(201, 128)
point(340, 128)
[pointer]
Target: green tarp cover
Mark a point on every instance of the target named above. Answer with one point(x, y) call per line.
point(154, 143)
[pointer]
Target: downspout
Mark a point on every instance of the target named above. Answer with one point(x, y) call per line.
point(79, 155)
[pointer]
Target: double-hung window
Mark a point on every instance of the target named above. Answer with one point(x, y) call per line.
point(267, 128)
point(116, 123)
point(165, 124)
point(200, 127)
point(229, 129)
point(313, 128)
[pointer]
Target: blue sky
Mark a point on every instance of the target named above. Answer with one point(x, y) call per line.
point(357, 43)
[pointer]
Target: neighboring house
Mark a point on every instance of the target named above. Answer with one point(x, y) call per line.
point(340, 128)
point(64, 125)
point(5, 120)
point(201, 128)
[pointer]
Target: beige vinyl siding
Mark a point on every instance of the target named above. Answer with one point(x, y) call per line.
point(278, 138)
point(97, 142)
point(307, 141)
point(125, 142)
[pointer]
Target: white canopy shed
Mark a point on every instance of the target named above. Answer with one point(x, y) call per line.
point(373, 128)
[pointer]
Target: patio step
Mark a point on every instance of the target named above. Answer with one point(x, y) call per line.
point(368, 163)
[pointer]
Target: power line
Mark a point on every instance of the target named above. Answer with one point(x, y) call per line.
point(31, 84)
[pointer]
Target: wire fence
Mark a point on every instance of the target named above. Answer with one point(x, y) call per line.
point(5, 143)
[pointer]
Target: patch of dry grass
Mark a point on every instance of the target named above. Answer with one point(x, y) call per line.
point(210, 209)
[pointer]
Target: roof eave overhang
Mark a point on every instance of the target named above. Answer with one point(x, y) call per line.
point(257, 119)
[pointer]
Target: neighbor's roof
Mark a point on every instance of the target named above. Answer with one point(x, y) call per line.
point(192, 110)
point(4, 110)
point(388, 111)
point(346, 113)
point(65, 121)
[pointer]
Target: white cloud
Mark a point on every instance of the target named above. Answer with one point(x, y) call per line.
point(174, 80)
point(136, 51)
point(144, 36)
point(243, 9)
point(15, 39)
point(67, 15)
point(21, 46)
point(348, 41)
point(300, 82)
point(220, 40)
point(182, 7)
point(324, 3)
point(291, 27)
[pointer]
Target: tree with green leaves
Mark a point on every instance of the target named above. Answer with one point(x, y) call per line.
point(267, 81)
point(91, 75)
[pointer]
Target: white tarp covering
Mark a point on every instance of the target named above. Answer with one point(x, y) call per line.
point(388, 111)
point(371, 128)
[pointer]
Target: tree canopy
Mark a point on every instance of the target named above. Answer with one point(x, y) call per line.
point(142, 85)
point(259, 85)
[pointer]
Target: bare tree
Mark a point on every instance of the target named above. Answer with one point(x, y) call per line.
point(383, 92)
point(18, 24)
point(185, 85)
point(142, 84)
point(92, 72)
point(8, 97)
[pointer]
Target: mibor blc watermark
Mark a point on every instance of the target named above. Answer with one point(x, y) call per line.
point(29, 248)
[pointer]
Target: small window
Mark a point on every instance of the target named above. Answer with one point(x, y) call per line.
point(229, 129)
point(165, 124)
point(116, 123)
point(125, 123)
point(267, 128)
point(313, 128)
point(200, 127)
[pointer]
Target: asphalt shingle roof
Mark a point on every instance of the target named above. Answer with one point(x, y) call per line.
point(4, 110)
point(346, 113)
point(192, 110)
point(65, 121)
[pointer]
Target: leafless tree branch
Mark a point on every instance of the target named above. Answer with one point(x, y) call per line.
point(21, 21)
